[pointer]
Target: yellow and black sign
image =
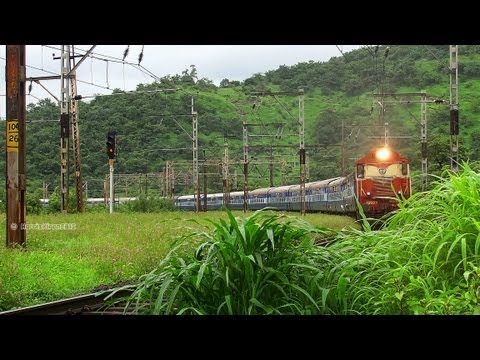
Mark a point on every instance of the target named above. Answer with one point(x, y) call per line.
point(12, 135)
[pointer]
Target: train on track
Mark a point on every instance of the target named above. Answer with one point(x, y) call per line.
point(381, 177)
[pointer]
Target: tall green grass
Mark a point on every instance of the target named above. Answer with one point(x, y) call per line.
point(424, 260)
point(259, 265)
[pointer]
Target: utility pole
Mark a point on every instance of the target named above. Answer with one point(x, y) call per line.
point(343, 149)
point(15, 146)
point(172, 180)
point(76, 139)
point(64, 125)
point(270, 166)
point(111, 146)
point(386, 133)
point(283, 164)
point(235, 181)
point(423, 139)
point(423, 124)
point(307, 168)
point(68, 113)
point(165, 179)
point(225, 176)
point(169, 180)
point(454, 115)
point(245, 166)
point(301, 132)
point(45, 190)
point(196, 189)
point(110, 163)
point(204, 182)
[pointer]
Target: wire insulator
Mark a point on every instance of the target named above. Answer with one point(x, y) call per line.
point(125, 53)
point(30, 88)
point(140, 57)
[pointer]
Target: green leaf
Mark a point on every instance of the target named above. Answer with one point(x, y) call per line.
point(227, 279)
point(228, 300)
point(324, 296)
point(270, 237)
point(201, 271)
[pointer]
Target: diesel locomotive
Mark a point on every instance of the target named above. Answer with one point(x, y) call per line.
point(381, 177)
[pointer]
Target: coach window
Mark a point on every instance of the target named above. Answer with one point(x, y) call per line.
point(404, 169)
point(360, 171)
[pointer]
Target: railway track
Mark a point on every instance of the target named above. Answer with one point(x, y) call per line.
point(98, 303)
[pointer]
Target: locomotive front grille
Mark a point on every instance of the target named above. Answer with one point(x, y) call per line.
point(383, 187)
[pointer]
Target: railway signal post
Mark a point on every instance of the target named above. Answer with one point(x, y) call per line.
point(301, 132)
point(225, 177)
point(64, 125)
point(245, 167)
point(15, 146)
point(68, 116)
point(111, 142)
point(454, 131)
point(196, 188)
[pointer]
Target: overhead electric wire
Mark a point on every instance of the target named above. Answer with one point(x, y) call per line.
point(54, 73)
point(382, 80)
point(294, 118)
point(438, 59)
point(115, 60)
point(34, 97)
point(367, 47)
point(345, 58)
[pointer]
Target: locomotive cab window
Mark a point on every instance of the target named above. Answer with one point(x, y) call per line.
point(404, 169)
point(360, 171)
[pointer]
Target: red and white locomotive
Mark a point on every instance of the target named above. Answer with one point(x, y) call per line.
point(380, 177)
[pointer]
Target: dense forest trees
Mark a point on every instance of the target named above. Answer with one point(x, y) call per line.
point(155, 127)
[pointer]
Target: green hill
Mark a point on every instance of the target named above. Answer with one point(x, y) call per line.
point(154, 127)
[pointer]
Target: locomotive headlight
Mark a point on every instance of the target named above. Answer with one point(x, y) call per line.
point(368, 193)
point(383, 154)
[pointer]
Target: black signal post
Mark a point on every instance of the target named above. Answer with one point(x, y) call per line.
point(111, 144)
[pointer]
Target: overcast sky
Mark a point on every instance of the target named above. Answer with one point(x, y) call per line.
point(215, 62)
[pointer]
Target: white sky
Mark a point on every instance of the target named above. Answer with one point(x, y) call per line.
point(215, 62)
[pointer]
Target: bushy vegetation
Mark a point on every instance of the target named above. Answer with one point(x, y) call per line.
point(425, 260)
point(253, 266)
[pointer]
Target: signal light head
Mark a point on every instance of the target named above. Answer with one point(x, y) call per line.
point(383, 154)
point(111, 145)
